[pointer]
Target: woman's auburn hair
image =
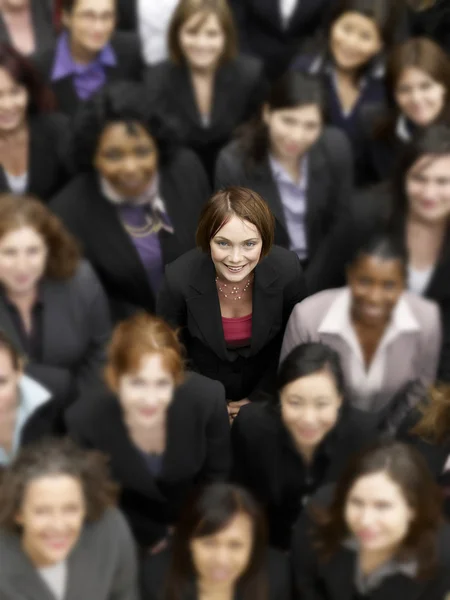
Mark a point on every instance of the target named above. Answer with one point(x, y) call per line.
point(434, 424)
point(52, 457)
point(242, 203)
point(407, 468)
point(187, 9)
point(139, 336)
point(25, 211)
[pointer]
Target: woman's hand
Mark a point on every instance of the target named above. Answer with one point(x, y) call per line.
point(235, 406)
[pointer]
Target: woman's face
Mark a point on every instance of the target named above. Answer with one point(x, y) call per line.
point(51, 517)
point(354, 41)
point(292, 131)
point(202, 41)
point(9, 380)
point(376, 285)
point(236, 250)
point(13, 103)
point(419, 97)
point(221, 558)
point(310, 408)
point(91, 24)
point(23, 260)
point(146, 394)
point(428, 189)
point(127, 158)
point(377, 513)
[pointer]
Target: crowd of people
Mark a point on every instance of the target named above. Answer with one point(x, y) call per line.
point(224, 299)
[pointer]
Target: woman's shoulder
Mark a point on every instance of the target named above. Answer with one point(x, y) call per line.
point(256, 420)
point(203, 391)
point(318, 303)
point(425, 310)
point(334, 141)
point(88, 411)
point(75, 193)
point(107, 534)
point(247, 67)
point(181, 270)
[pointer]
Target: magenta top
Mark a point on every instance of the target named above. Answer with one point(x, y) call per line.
point(237, 330)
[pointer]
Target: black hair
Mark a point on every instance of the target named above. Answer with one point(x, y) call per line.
point(384, 246)
point(118, 102)
point(308, 359)
point(293, 89)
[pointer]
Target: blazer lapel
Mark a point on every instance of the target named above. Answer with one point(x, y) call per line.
point(267, 187)
point(42, 25)
point(315, 194)
point(204, 308)
point(183, 94)
point(220, 107)
point(7, 325)
point(66, 94)
point(28, 584)
point(267, 305)
point(400, 586)
point(338, 575)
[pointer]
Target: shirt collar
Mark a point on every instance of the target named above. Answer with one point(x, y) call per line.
point(322, 62)
point(337, 319)
point(32, 394)
point(401, 129)
point(64, 64)
point(280, 174)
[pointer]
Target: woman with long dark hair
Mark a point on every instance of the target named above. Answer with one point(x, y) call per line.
point(301, 439)
point(381, 536)
point(302, 169)
point(218, 549)
point(418, 95)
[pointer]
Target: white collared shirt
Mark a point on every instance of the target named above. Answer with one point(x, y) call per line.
point(366, 383)
point(154, 18)
point(287, 8)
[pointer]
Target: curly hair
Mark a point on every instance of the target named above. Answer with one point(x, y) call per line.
point(56, 457)
point(118, 102)
point(434, 424)
point(26, 211)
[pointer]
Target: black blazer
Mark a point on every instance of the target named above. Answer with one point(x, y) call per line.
point(367, 214)
point(76, 327)
point(48, 167)
point(239, 89)
point(333, 579)
point(189, 300)
point(42, 22)
point(129, 66)
point(262, 33)
point(154, 574)
point(127, 15)
point(198, 452)
point(86, 213)
point(330, 183)
point(266, 461)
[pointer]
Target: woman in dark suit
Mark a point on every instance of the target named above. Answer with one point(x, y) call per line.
point(164, 429)
point(135, 206)
point(219, 549)
point(431, 18)
point(205, 88)
point(303, 170)
point(33, 142)
point(350, 60)
point(88, 53)
point(27, 25)
point(51, 303)
point(418, 95)
point(416, 203)
point(231, 297)
point(381, 537)
point(284, 450)
point(60, 533)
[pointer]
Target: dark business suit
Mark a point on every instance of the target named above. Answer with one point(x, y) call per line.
point(368, 214)
point(189, 300)
point(155, 568)
point(333, 579)
point(263, 34)
point(75, 330)
point(266, 461)
point(330, 182)
point(198, 451)
point(127, 15)
point(239, 89)
point(433, 22)
point(127, 49)
point(42, 23)
point(94, 220)
point(48, 167)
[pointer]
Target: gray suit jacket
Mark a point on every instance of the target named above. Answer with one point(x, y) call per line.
point(76, 327)
point(102, 566)
point(412, 356)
